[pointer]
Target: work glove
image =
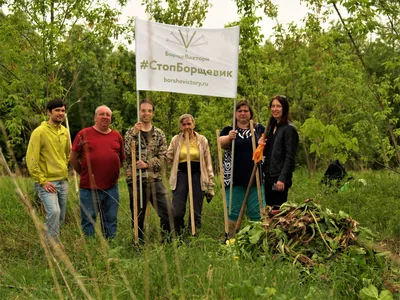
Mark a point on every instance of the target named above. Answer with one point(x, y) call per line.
point(209, 195)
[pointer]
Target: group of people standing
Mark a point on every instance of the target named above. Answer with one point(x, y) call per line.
point(98, 153)
point(280, 140)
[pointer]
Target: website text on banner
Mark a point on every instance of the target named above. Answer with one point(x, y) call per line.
point(186, 60)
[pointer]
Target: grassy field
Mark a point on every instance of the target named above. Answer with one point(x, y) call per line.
point(199, 268)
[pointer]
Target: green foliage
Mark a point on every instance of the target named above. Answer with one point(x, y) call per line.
point(327, 141)
point(371, 292)
point(51, 48)
point(65, 50)
point(307, 234)
point(377, 57)
point(198, 267)
point(250, 81)
point(254, 292)
point(179, 12)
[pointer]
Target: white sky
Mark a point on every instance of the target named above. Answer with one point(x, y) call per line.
point(223, 12)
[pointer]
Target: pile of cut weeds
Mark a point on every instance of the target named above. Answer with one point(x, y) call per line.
point(320, 241)
point(303, 233)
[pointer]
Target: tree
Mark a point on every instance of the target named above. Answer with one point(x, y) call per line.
point(178, 12)
point(46, 42)
point(366, 18)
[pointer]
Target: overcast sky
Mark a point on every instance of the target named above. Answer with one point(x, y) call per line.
point(223, 12)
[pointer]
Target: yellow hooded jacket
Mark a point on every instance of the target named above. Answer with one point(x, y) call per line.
point(48, 153)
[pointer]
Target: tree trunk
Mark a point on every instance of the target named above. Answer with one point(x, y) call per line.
point(309, 166)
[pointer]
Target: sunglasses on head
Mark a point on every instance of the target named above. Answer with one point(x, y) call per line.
point(281, 97)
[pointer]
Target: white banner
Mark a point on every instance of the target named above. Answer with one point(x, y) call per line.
point(186, 60)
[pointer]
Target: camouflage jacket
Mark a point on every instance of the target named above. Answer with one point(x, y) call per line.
point(153, 152)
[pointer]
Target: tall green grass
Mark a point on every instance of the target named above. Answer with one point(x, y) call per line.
point(198, 267)
point(375, 205)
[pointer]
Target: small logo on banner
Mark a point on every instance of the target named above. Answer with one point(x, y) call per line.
point(187, 39)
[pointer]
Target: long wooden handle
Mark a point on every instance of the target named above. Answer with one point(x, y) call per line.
point(134, 193)
point(246, 198)
point(189, 172)
point(221, 175)
point(258, 181)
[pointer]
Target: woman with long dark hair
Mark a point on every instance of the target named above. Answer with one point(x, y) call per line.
point(280, 153)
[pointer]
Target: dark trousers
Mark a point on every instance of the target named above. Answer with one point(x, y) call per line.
point(180, 196)
point(273, 197)
point(155, 193)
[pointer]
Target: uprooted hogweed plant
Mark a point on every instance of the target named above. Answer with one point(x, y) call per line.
point(325, 245)
point(303, 233)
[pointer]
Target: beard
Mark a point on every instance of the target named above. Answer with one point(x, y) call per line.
point(58, 120)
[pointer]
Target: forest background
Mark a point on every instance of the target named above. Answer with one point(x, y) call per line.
point(342, 78)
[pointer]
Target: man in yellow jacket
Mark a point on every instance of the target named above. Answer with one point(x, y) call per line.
point(47, 160)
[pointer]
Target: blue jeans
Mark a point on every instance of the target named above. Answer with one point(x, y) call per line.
point(104, 201)
point(55, 205)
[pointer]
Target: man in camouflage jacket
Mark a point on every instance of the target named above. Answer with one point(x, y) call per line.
point(153, 146)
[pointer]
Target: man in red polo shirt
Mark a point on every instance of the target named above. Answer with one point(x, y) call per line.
point(97, 154)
